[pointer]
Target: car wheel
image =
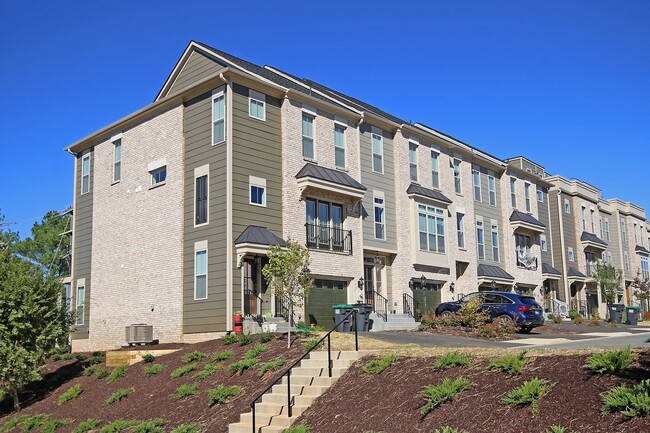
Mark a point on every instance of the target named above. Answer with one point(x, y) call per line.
point(504, 320)
point(446, 313)
point(526, 329)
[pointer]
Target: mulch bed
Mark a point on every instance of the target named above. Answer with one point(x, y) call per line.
point(389, 402)
point(548, 328)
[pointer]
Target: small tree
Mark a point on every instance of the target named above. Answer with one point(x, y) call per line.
point(287, 274)
point(641, 289)
point(609, 280)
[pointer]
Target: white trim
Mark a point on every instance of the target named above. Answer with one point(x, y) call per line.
point(378, 195)
point(201, 246)
point(158, 163)
point(259, 183)
point(415, 148)
point(309, 109)
point(344, 128)
point(341, 121)
point(115, 162)
point(218, 93)
point(329, 186)
point(229, 209)
point(201, 171)
point(372, 149)
point(414, 140)
point(83, 157)
point(254, 95)
point(303, 136)
point(116, 137)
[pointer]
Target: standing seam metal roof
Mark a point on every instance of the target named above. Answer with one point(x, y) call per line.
point(426, 192)
point(259, 235)
point(493, 272)
point(329, 175)
point(548, 269)
point(590, 237)
point(526, 218)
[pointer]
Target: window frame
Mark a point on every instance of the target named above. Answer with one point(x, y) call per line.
point(308, 118)
point(258, 183)
point(540, 194)
point(476, 183)
point(380, 155)
point(81, 288)
point(156, 171)
point(513, 192)
point(567, 206)
point(413, 161)
point(645, 271)
point(379, 203)
point(460, 230)
point(480, 240)
point(626, 261)
point(527, 196)
point(218, 95)
point(543, 244)
point(438, 216)
point(571, 255)
point(435, 172)
point(494, 234)
point(338, 147)
point(205, 199)
point(117, 163)
point(458, 185)
point(85, 187)
point(200, 247)
point(259, 97)
point(492, 190)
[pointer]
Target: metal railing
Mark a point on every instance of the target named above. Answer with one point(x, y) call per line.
point(251, 299)
point(378, 303)
point(325, 237)
point(411, 306)
point(282, 308)
point(287, 372)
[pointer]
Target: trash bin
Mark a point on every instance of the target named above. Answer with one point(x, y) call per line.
point(632, 313)
point(363, 316)
point(340, 312)
point(616, 313)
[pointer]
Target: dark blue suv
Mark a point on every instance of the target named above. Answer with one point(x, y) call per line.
point(520, 310)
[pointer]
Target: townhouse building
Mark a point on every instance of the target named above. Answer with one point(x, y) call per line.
point(177, 205)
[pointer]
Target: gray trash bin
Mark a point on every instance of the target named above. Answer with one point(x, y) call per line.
point(632, 313)
point(363, 317)
point(340, 312)
point(616, 312)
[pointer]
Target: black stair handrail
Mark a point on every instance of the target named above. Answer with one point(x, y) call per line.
point(411, 306)
point(383, 302)
point(287, 372)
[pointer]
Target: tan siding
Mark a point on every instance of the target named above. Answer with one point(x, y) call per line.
point(195, 69)
point(543, 212)
point(489, 213)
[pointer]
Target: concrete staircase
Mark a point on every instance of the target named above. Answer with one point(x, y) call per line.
point(396, 322)
point(308, 381)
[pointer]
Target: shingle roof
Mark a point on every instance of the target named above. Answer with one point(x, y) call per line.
point(426, 192)
point(548, 269)
point(641, 249)
point(526, 218)
point(573, 272)
point(259, 235)
point(590, 237)
point(329, 175)
point(493, 272)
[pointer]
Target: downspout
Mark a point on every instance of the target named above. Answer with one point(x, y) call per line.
point(563, 247)
point(360, 203)
point(229, 188)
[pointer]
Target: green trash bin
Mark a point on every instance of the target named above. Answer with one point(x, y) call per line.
point(340, 313)
point(632, 314)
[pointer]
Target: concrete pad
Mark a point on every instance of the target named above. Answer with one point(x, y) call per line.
point(606, 334)
point(539, 341)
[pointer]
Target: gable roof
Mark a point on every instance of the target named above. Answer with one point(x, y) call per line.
point(590, 237)
point(573, 272)
point(548, 269)
point(527, 218)
point(493, 272)
point(426, 192)
point(259, 236)
point(329, 175)
point(641, 249)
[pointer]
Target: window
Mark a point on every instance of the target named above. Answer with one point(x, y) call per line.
point(307, 136)
point(85, 173)
point(201, 200)
point(377, 153)
point(495, 243)
point(602, 227)
point(431, 225)
point(527, 195)
point(492, 190)
point(540, 194)
point(435, 174)
point(325, 225)
point(380, 218)
point(413, 162)
point(80, 302)
point(460, 229)
point(623, 231)
point(218, 117)
point(476, 180)
point(256, 105)
point(626, 261)
point(513, 192)
point(542, 243)
point(584, 218)
point(644, 268)
point(592, 220)
point(479, 240)
point(201, 271)
point(117, 160)
point(158, 176)
point(636, 242)
point(257, 189)
point(339, 146)
point(571, 257)
point(567, 206)
point(522, 247)
point(457, 187)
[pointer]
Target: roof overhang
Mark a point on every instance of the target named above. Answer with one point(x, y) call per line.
point(593, 245)
point(312, 182)
point(522, 225)
point(551, 276)
point(488, 280)
point(421, 197)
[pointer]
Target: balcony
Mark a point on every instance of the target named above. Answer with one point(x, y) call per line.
point(592, 268)
point(328, 238)
point(526, 259)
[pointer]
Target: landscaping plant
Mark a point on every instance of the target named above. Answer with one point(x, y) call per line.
point(222, 394)
point(229, 339)
point(634, 401)
point(312, 343)
point(148, 357)
point(154, 369)
point(193, 356)
point(558, 429)
point(239, 366)
point(256, 351)
point(435, 395)
point(149, 426)
point(447, 429)
point(90, 371)
point(528, 393)
point(208, 370)
point(222, 356)
point(271, 366)
point(300, 428)
point(117, 373)
point(12, 423)
point(376, 366)
point(118, 426)
point(119, 395)
point(34, 421)
point(87, 425)
point(611, 362)
point(510, 364)
point(188, 428)
point(182, 371)
point(52, 425)
point(102, 373)
point(72, 393)
point(185, 391)
point(265, 337)
point(453, 359)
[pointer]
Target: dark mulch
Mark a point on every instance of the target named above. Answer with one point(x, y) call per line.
point(151, 398)
point(389, 402)
point(548, 328)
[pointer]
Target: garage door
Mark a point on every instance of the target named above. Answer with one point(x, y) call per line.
point(321, 298)
point(427, 300)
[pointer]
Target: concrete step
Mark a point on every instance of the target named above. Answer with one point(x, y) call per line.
point(346, 354)
point(247, 427)
point(322, 363)
point(309, 380)
point(305, 389)
point(400, 318)
point(316, 371)
point(297, 399)
point(265, 419)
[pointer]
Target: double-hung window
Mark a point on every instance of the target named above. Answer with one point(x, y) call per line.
point(513, 192)
point(380, 217)
point(567, 206)
point(377, 153)
point(495, 243)
point(476, 178)
point(80, 302)
point(339, 145)
point(117, 160)
point(492, 190)
point(623, 231)
point(606, 224)
point(307, 136)
point(584, 218)
point(527, 195)
point(435, 173)
point(626, 262)
point(85, 173)
point(480, 241)
point(522, 249)
point(219, 117)
point(571, 255)
point(257, 188)
point(460, 229)
point(201, 199)
point(457, 186)
point(540, 194)
point(159, 176)
point(200, 270)
point(592, 219)
point(431, 227)
point(257, 105)
point(542, 243)
point(645, 273)
point(413, 162)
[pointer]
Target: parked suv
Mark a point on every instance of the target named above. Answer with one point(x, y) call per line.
point(520, 310)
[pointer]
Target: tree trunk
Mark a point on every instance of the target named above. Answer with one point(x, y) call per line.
point(14, 394)
point(290, 320)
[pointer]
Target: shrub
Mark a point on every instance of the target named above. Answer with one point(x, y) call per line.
point(185, 391)
point(435, 395)
point(102, 373)
point(470, 314)
point(316, 328)
point(271, 366)
point(578, 320)
point(528, 393)
point(239, 366)
point(150, 426)
point(117, 373)
point(84, 426)
point(182, 371)
point(66, 356)
point(256, 351)
point(193, 356)
point(222, 356)
point(208, 370)
point(453, 359)
point(511, 364)
point(594, 322)
point(595, 315)
point(230, 339)
point(154, 369)
point(557, 318)
point(72, 393)
point(376, 366)
point(613, 361)
point(12, 423)
point(188, 428)
point(634, 401)
point(573, 314)
point(34, 421)
point(118, 426)
point(558, 429)
point(646, 315)
point(81, 357)
point(96, 360)
point(119, 395)
point(447, 429)
point(496, 329)
point(222, 394)
point(244, 339)
point(312, 343)
point(52, 425)
point(90, 371)
point(300, 428)
point(148, 357)
point(265, 337)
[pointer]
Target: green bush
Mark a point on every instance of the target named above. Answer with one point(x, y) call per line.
point(118, 426)
point(66, 356)
point(188, 428)
point(634, 401)
point(558, 429)
point(84, 426)
point(148, 357)
point(72, 393)
point(496, 329)
point(182, 371)
point(300, 428)
point(613, 361)
point(90, 371)
point(81, 357)
point(102, 373)
point(96, 360)
point(528, 393)
point(511, 364)
point(244, 339)
point(185, 391)
point(222, 394)
point(447, 429)
point(222, 356)
point(376, 366)
point(119, 395)
point(230, 339)
point(435, 395)
point(256, 351)
point(12, 423)
point(453, 359)
point(239, 366)
point(573, 314)
point(271, 366)
point(149, 426)
point(154, 369)
point(34, 421)
point(53, 425)
point(578, 320)
point(193, 356)
point(117, 373)
point(557, 319)
point(312, 343)
point(208, 370)
point(265, 337)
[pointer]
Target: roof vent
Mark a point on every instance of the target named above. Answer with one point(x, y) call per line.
point(139, 333)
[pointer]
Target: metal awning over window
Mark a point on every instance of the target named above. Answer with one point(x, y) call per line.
point(312, 175)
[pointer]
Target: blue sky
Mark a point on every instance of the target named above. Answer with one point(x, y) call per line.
point(564, 83)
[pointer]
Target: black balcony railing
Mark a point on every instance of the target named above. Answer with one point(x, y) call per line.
point(328, 238)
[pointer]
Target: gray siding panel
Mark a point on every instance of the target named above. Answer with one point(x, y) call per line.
point(196, 68)
point(488, 212)
point(543, 213)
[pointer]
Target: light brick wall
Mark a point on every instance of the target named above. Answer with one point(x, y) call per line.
point(137, 236)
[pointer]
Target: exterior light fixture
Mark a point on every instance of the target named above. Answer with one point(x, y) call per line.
point(423, 281)
point(360, 283)
point(451, 287)
point(493, 284)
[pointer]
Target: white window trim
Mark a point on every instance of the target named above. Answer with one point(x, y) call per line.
point(543, 244)
point(83, 158)
point(460, 230)
point(415, 146)
point(260, 183)
point(311, 114)
point(567, 206)
point(437, 213)
point(343, 126)
point(437, 153)
point(513, 192)
point(378, 195)
point(540, 195)
point(482, 225)
point(254, 95)
point(492, 190)
point(476, 173)
point(460, 175)
point(198, 247)
point(203, 170)
point(155, 166)
point(80, 283)
point(377, 132)
point(527, 201)
point(494, 229)
point(115, 143)
point(216, 94)
point(571, 255)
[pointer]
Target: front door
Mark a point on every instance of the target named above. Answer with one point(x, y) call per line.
point(369, 277)
point(257, 299)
